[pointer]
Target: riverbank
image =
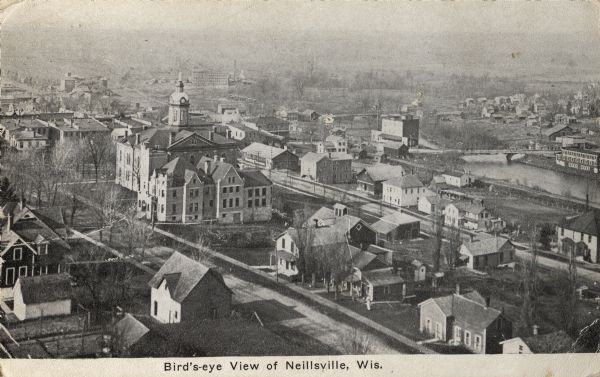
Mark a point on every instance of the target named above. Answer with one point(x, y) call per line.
point(549, 163)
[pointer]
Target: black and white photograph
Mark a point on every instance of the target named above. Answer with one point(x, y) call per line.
point(227, 180)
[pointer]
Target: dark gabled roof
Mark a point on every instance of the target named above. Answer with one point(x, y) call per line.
point(555, 129)
point(45, 224)
point(180, 170)
point(45, 288)
point(466, 308)
point(383, 172)
point(588, 223)
point(487, 245)
point(182, 275)
point(384, 276)
point(254, 178)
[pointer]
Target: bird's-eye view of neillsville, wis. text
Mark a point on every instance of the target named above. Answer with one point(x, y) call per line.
point(298, 178)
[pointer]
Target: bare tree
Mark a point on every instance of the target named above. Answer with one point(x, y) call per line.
point(355, 343)
point(202, 253)
point(530, 285)
point(99, 152)
point(137, 233)
point(438, 234)
point(108, 209)
point(454, 243)
point(92, 268)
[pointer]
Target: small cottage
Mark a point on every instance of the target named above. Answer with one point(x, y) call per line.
point(184, 290)
point(42, 296)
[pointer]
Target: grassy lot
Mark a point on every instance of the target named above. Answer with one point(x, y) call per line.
point(401, 318)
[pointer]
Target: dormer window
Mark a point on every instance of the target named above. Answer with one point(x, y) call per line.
point(43, 249)
point(17, 253)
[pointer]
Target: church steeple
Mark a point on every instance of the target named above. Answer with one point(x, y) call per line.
point(179, 105)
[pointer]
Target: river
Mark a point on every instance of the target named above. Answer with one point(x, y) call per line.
point(496, 167)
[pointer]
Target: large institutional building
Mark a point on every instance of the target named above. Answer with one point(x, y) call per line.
point(187, 174)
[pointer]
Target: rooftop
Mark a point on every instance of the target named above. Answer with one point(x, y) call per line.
point(487, 245)
point(182, 275)
point(407, 181)
point(45, 288)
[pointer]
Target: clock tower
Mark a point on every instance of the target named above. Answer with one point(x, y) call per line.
point(179, 106)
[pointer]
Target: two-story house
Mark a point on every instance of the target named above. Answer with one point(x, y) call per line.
point(370, 179)
point(32, 243)
point(466, 320)
point(333, 144)
point(327, 168)
point(403, 191)
point(185, 290)
point(579, 235)
point(468, 215)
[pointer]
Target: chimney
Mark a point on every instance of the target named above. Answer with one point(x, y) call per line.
point(21, 203)
point(210, 135)
point(535, 329)
point(285, 147)
point(222, 159)
point(329, 154)
point(207, 166)
point(215, 158)
point(458, 288)
point(9, 222)
point(137, 139)
point(126, 133)
point(488, 299)
point(316, 222)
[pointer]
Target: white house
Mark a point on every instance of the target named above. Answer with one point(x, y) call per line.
point(402, 191)
point(457, 179)
point(580, 235)
point(431, 203)
point(286, 253)
point(487, 252)
point(184, 290)
point(42, 296)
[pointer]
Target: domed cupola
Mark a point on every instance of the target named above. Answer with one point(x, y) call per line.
point(179, 105)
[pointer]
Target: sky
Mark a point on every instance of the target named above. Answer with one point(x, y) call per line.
point(486, 17)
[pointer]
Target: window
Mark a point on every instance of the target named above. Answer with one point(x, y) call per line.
point(17, 253)
point(589, 238)
point(224, 203)
point(230, 202)
point(230, 188)
point(175, 314)
point(250, 192)
point(467, 338)
point(174, 193)
point(264, 191)
point(162, 208)
point(264, 202)
point(438, 330)
point(520, 348)
point(224, 190)
point(162, 194)
point(477, 341)
point(283, 243)
point(174, 208)
point(257, 192)
point(22, 271)
point(250, 203)
point(10, 276)
point(237, 188)
point(256, 202)
point(43, 249)
point(155, 308)
point(457, 333)
point(195, 207)
point(237, 202)
point(210, 203)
